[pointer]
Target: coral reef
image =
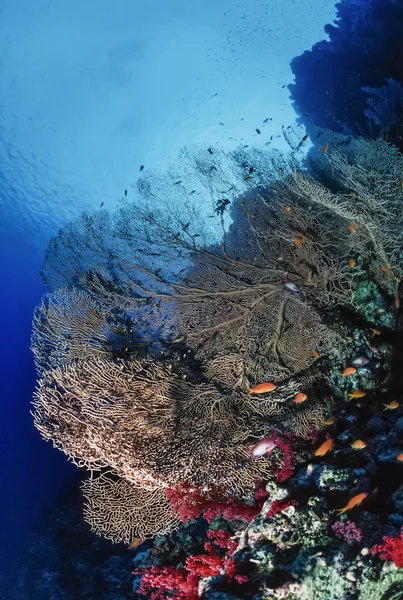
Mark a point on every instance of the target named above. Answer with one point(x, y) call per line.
point(351, 83)
point(161, 322)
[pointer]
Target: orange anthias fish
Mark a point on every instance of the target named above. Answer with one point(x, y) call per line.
point(301, 397)
point(357, 394)
point(351, 263)
point(263, 388)
point(325, 148)
point(376, 331)
point(349, 371)
point(352, 228)
point(397, 301)
point(135, 543)
point(287, 209)
point(358, 445)
point(330, 421)
point(391, 405)
point(384, 268)
point(324, 448)
point(355, 501)
point(400, 457)
point(316, 353)
point(299, 234)
point(297, 242)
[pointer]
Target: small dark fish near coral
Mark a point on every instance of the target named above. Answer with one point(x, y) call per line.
point(141, 167)
point(265, 446)
point(258, 131)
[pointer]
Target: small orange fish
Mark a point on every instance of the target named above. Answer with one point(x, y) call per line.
point(287, 209)
point(352, 228)
point(358, 445)
point(349, 371)
point(351, 263)
point(330, 421)
point(301, 397)
point(324, 448)
point(135, 543)
point(384, 268)
point(325, 148)
point(400, 457)
point(397, 301)
point(297, 241)
point(392, 405)
point(357, 394)
point(299, 234)
point(263, 388)
point(356, 501)
point(316, 354)
point(376, 331)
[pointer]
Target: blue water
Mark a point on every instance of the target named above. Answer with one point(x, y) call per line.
point(90, 92)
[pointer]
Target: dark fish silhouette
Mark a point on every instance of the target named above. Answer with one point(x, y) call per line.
point(142, 167)
point(125, 192)
point(101, 205)
point(257, 130)
point(209, 150)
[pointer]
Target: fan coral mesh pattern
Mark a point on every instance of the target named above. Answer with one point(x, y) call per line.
point(163, 317)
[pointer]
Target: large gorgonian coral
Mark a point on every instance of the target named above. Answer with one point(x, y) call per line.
point(163, 317)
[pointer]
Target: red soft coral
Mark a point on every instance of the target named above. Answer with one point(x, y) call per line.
point(185, 581)
point(284, 444)
point(166, 579)
point(191, 502)
point(279, 505)
point(391, 549)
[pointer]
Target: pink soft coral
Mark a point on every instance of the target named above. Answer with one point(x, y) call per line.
point(347, 530)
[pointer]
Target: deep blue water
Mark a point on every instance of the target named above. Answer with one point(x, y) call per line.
point(31, 471)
